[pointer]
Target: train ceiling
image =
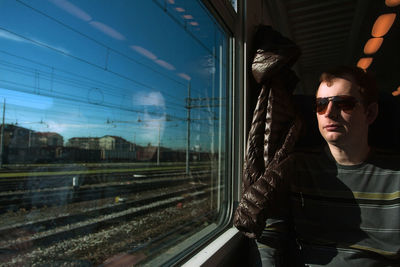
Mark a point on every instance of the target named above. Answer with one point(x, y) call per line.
point(334, 32)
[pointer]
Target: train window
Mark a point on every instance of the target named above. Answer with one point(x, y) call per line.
point(234, 4)
point(114, 125)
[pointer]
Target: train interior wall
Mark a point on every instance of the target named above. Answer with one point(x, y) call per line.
point(384, 132)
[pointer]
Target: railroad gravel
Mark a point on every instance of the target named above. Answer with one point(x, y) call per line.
point(96, 248)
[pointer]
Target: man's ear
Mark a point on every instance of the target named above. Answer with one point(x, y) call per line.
point(372, 112)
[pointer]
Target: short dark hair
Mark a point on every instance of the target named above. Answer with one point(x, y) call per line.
point(360, 79)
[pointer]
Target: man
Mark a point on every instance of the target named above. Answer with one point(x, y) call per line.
point(341, 205)
point(345, 109)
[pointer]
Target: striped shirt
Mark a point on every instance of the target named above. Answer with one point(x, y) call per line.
point(344, 215)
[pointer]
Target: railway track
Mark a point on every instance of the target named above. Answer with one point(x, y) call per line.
point(51, 230)
point(40, 179)
point(40, 221)
point(61, 196)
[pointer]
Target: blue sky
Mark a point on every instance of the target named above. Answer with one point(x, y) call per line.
point(94, 68)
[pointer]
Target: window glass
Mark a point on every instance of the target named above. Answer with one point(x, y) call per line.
point(113, 130)
point(234, 4)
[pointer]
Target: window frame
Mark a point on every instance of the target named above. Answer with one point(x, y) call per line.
point(232, 23)
point(218, 245)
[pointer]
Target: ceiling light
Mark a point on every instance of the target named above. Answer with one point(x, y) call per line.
point(397, 92)
point(392, 3)
point(188, 16)
point(383, 24)
point(364, 62)
point(372, 45)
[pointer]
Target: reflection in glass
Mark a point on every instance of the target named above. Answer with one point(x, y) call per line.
point(113, 131)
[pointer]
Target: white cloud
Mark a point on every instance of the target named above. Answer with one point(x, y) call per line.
point(12, 37)
point(144, 52)
point(72, 9)
point(149, 98)
point(41, 43)
point(164, 64)
point(107, 30)
point(184, 76)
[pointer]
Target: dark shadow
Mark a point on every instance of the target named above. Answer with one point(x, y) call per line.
point(323, 220)
point(385, 131)
point(310, 136)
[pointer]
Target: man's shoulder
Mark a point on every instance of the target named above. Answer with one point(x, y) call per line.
point(386, 152)
point(308, 157)
point(385, 158)
point(308, 153)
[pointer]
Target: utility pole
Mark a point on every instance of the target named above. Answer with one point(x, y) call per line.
point(206, 102)
point(220, 169)
point(188, 131)
point(2, 134)
point(159, 133)
point(158, 147)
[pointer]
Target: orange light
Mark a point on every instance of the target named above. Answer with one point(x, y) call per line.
point(364, 62)
point(188, 16)
point(372, 45)
point(382, 24)
point(397, 92)
point(392, 3)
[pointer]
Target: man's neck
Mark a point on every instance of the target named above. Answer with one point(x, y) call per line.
point(349, 156)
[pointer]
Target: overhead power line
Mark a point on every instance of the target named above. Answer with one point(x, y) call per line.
point(100, 43)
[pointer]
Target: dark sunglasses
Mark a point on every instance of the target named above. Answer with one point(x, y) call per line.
point(342, 102)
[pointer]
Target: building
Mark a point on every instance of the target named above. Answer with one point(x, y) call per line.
point(47, 139)
point(116, 148)
point(88, 143)
point(16, 137)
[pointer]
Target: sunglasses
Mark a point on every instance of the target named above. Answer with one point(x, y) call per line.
point(342, 102)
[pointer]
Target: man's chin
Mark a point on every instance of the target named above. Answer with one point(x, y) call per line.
point(334, 139)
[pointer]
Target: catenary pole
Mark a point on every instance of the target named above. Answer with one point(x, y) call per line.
point(2, 134)
point(188, 132)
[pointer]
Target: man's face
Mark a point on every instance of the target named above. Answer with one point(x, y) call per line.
point(338, 126)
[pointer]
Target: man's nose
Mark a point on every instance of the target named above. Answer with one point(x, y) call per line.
point(331, 110)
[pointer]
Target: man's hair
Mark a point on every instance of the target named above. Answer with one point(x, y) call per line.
point(361, 80)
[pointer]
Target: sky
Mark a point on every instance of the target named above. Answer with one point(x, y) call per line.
point(94, 67)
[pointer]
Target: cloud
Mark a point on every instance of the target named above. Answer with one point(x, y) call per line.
point(12, 37)
point(20, 99)
point(144, 52)
point(72, 9)
point(164, 64)
point(63, 128)
point(149, 98)
point(107, 30)
point(184, 76)
point(188, 16)
point(58, 48)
